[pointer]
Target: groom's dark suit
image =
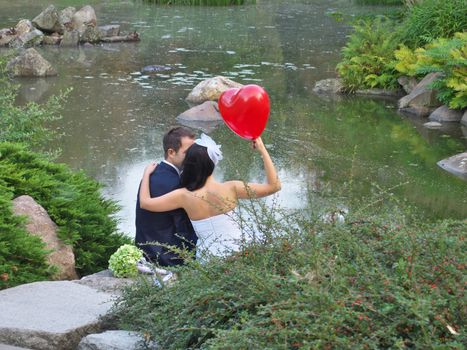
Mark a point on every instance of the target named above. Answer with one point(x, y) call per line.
point(171, 227)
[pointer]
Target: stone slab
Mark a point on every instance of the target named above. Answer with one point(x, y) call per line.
point(51, 315)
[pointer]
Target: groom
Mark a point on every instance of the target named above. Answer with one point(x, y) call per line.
point(173, 227)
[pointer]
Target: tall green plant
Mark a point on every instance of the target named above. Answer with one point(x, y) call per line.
point(74, 202)
point(368, 56)
point(431, 19)
point(447, 56)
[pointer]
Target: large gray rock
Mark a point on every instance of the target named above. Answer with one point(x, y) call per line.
point(24, 26)
point(64, 20)
point(84, 17)
point(456, 165)
point(207, 111)
point(40, 224)
point(47, 20)
point(30, 64)
point(51, 315)
point(7, 35)
point(109, 30)
point(70, 38)
point(53, 39)
point(114, 340)
point(445, 114)
point(28, 39)
point(464, 118)
point(407, 83)
point(328, 86)
point(90, 35)
point(211, 89)
point(422, 100)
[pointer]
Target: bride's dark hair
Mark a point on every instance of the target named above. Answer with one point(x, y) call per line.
point(197, 167)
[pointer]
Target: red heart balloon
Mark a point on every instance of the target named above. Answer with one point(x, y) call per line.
point(245, 110)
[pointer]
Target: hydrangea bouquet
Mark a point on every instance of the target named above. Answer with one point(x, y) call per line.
point(123, 261)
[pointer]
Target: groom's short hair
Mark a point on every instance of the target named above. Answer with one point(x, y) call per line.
point(173, 138)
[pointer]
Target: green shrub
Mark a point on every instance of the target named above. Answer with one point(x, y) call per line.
point(371, 283)
point(368, 56)
point(432, 19)
point(448, 56)
point(73, 201)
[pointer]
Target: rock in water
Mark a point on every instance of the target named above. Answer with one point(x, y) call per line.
point(211, 89)
point(456, 165)
point(154, 69)
point(84, 17)
point(47, 19)
point(207, 111)
point(30, 64)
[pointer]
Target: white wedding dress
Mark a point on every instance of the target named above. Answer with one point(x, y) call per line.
point(218, 235)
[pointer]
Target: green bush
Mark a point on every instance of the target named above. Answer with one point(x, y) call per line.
point(371, 283)
point(448, 56)
point(432, 19)
point(73, 201)
point(368, 57)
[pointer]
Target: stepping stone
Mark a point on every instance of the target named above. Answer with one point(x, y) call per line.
point(51, 315)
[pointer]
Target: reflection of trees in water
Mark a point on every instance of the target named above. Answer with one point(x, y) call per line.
point(368, 141)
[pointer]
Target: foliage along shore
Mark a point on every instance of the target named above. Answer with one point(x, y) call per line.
point(73, 200)
point(428, 37)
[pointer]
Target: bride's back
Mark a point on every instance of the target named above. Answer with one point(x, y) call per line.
point(212, 199)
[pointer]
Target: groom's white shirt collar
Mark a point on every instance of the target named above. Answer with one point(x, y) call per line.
point(173, 166)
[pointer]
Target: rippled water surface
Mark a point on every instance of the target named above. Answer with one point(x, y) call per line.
point(115, 116)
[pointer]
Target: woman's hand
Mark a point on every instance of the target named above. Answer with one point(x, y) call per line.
point(258, 144)
point(150, 168)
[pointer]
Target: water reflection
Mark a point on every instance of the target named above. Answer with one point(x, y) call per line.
point(116, 115)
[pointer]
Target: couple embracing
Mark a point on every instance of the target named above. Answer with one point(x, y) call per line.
point(181, 204)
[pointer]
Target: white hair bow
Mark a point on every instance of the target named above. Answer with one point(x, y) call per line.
point(214, 150)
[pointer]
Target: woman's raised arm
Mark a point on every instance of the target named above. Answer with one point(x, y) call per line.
point(170, 201)
point(272, 185)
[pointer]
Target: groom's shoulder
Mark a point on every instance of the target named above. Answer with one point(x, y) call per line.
point(164, 175)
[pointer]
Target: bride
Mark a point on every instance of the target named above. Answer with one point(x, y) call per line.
point(209, 203)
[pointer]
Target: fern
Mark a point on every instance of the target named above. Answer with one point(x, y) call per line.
point(368, 60)
point(447, 56)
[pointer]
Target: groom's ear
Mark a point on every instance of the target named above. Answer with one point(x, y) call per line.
point(171, 152)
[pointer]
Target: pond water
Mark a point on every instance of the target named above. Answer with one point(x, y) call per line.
point(114, 118)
